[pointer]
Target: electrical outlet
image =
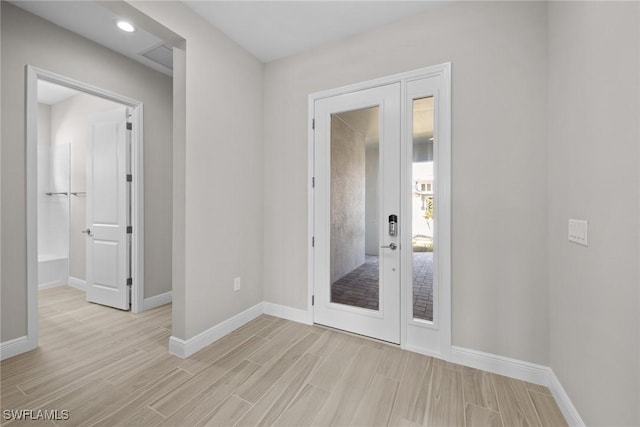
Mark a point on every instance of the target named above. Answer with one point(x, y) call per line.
point(578, 231)
point(236, 284)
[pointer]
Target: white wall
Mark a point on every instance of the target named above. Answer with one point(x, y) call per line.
point(69, 126)
point(593, 155)
point(498, 55)
point(52, 210)
point(27, 39)
point(219, 214)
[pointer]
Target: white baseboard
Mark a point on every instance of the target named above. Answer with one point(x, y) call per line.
point(54, 284)
point(564, 403)
point(74, 282)
point(14, 347)
point(289, 313)
point(185, 348)
point(501, 365)
point(177, 347)
point(156, 301)
point(520, 370)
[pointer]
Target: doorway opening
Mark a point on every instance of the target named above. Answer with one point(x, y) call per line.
point(62, 151)
point(84, 193)
point(380, 209)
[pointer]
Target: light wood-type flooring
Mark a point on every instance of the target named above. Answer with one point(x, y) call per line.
point(109, 368)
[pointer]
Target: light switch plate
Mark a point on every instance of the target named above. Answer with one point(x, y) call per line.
point(578, 231)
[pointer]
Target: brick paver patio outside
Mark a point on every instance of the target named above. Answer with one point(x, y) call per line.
point(360, 287)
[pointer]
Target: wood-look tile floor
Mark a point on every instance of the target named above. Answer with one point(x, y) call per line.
point(111, 368)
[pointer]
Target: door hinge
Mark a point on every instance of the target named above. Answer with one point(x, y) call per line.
point(129, 229)
point(129, 177)
point(129, 281)
point(313, 242)
point(313, 300)
point(129, 126)
point(313, 182)
point(313, 124)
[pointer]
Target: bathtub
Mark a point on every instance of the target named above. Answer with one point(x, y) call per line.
point(53, 270)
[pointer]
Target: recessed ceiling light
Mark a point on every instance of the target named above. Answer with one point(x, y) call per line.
point(125, 26)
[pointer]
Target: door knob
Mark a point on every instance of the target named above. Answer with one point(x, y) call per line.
point(391, 246)
point(87, 231)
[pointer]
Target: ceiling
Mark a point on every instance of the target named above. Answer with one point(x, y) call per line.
point(272, 30)
point(93, 21)
point(268, 29)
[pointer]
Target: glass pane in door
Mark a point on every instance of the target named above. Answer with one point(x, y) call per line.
point(423, 224)
point(355, 228)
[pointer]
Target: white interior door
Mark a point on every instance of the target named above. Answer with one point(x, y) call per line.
point(107, 210)
point(357, 194)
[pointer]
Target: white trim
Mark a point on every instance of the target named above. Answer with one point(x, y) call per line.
point(32, 204)
point(445, 201)
point(137, 210)
point(185, 348)
point(137, 203)
point(74, 282)
point(178, 347)
point(569, 411)
point(14, 347)
point(289, 313)
point(311, 113)
point(433, 70)
point(157, 301)
point(501, 365)
point(525, 371)
point(52, 284)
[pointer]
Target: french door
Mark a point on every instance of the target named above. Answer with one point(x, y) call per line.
point(380, 209)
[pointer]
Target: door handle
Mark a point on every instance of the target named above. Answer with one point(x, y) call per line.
point(87, 232)
point(391, 246)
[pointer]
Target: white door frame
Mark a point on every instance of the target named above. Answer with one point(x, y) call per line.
point(137, 198)
point(443, 179)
